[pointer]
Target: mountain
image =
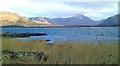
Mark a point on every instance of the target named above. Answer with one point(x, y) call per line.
point(13, 19)
point(111, 21)
point(9, 18)
point(78, 19)
point(41, 20)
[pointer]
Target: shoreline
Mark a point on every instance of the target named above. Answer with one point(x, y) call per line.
point(52, 26)
point(23, 34)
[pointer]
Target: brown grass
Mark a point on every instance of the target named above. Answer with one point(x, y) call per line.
point(63, 52)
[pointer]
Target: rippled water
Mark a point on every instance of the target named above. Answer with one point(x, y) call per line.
point(75, 34)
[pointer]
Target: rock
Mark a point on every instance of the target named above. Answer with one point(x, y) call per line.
point(45, 58)
point(12, 35)
point(50, 42)
point(5, 51)
point(38, 55)
point(14, 55)
point(41, 56)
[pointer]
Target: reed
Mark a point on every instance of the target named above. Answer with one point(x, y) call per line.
point(68, 52)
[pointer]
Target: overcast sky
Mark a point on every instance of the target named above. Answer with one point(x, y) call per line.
point(45, 8)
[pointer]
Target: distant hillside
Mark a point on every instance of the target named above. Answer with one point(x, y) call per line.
point(13, 19)
point(111, 21)
point(78, 19)
point(8, 18)
point(40, 20)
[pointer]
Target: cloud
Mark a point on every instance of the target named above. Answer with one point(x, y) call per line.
point(31, 8)
point(74, 0)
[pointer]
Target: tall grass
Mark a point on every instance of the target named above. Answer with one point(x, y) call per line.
point(64, 52)
point(0, 50)
point(22, 45)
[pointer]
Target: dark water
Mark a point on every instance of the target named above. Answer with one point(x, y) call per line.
point(74, 34)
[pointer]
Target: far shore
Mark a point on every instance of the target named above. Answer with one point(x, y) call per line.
point(17, 26)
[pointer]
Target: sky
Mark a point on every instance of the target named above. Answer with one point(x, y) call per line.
point(96, 10)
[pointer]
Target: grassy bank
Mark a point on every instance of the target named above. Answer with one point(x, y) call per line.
point(61, 52)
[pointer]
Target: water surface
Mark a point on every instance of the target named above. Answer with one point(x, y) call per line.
point(82, 34)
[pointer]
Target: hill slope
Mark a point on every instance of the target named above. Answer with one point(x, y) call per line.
point(40, 20)
point(8, 18)
point(111, 21)
point(12, 19)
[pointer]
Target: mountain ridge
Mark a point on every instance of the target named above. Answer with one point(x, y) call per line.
point(9, 18)
point(73, 20)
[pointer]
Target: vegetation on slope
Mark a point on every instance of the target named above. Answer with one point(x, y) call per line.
point(11, 19)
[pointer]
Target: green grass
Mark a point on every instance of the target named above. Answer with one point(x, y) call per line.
point(62, 52)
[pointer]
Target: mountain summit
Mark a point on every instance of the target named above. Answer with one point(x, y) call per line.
point(79, 16)
point(77, 19)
